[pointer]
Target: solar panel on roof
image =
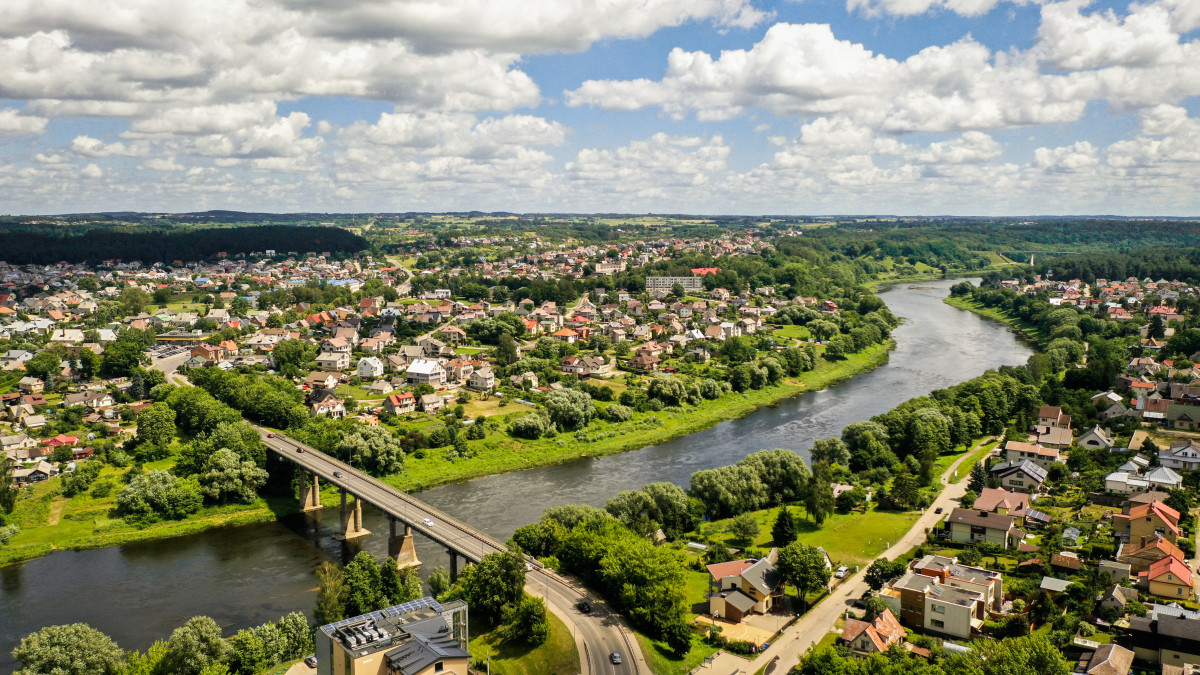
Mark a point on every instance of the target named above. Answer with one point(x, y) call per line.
point(394, 610)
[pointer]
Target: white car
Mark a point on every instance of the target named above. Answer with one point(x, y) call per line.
point(428, 522)
point(842, 572)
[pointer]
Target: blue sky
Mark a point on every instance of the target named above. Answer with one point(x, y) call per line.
point(973, 107)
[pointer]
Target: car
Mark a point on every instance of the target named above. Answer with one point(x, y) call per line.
point(270, 435)
point(842, 572)
point(299, 449)
point(585, 607)
point(615, 657)
point(311, 661)
point(428, 522)
point(938, 510)
point(337, 474)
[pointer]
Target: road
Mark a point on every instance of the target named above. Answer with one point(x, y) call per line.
point(170, 365)
point(810, 628)
point(596, 634)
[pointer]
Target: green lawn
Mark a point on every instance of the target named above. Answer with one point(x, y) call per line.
point(1023, 327)
point(663, 662)
point(557, 656)
point(795, 332)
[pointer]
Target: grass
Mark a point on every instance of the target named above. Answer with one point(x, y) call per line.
point(794, 332)
point(557, 656)
point(499, 453)
point(663, 662)
point(1026, 329)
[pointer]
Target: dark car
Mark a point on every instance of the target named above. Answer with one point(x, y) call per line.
point(299, 449)
point(938, 510)
point(585, 607)
point(311, 661)
point(337, 474)
point(615, 657)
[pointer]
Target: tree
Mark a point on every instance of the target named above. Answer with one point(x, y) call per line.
point(374, 449)
point(158, 494)
point(195, 646)
point(526, 621)
point(331, 594)
point(43, 365)
point(439, 582)
point(292, 352)
point(73, 649)
point(570, 408)
point(882, 571)
point(87, 364)
point(803, 566)
point(134, 300)
point(364, 585)
point(506, 350)
point(978, 479)
point(229, 478)
point(904, 490)
point(784, 530)
point(831, 451)
point(744, 528)
point(121, 358)
point(819, 500)
point(497, 581)
point(156, 425)
point(398, 585)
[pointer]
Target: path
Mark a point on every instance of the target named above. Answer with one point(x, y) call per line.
point(819, 620)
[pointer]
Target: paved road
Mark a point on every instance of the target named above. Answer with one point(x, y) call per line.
point(170, 365)
point(814, 625)
point(596, 634)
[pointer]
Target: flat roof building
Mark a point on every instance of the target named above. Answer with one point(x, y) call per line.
point(422, 637)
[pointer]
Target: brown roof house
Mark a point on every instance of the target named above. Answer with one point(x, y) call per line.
point(864, 638)
point(742, 587)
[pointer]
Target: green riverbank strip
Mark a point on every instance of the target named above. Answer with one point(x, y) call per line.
point(501, 454)
point(1016, 323)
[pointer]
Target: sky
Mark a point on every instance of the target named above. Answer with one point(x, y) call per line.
point(907, 107)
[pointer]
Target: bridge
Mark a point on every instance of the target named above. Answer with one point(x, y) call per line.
point(596, 634)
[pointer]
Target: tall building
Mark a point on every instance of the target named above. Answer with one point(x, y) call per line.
point(422, 637)
point(667, 283)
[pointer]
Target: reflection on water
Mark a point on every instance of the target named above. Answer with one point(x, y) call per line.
point(247, 575)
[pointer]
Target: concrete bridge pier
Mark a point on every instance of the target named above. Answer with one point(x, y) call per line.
point(351, 520)
point(310, 492)
point(401, 546)
point(453, 565)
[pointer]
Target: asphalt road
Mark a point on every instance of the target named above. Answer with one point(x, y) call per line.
point(596, 634)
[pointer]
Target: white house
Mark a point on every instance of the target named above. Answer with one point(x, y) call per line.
point(1095, 438)
point(371, 366)
point(333, 360)
point(483, 379)
point(1182, 456)
point(423, 371)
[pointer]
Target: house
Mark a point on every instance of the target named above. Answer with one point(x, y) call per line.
point(369, 367)
point(423, 637)
point(1015, 452)
point(742, 587)
point(1145, 551)
point(333, 360)
point(1001, 501)
point(1117, 597)
point(1024, 476)
point(92, 400)
point(398, 404)
point(33, 474)
point(482, 379)
point(1054, 437)
point(644, 362)
point(1169, 639)
point(526, 377)
point(31, 385)
point(320, 380)
point(432, 403)
point(864, 638)
point(16, 442)
point(1095, 438)
point(328, 406)
point(1107, 659)
point(1183, 417)
point(1169, 578)
point(968, 526)
point(423, 371)
point(1181, 456)
point(1053, 416)
point(1147, 520)
point(949, 571)
point(565, 335)
point(430, 346)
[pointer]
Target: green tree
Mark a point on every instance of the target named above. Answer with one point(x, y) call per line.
point(121, 358)
point(905, 490)
point(439, 582)
point(134, 300)
point(570, 408)
point(506, 350)
point(73, 649)
point(830, 450)
point(158, 494)
point(819, 501)
point(978, 479)
point(364, 584)
point(43, 366)
point(373, 449)
point(332, 592)
point(292, 352)
point(784, 530)
point(398, 585)
point(497, 581)
point(525, 621)
point(744, 528)
point(229, 478)
point(194, 646)
point(882, 571)
point(156, 425)
point(803, 566)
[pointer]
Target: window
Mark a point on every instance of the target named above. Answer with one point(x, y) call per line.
point(939, 609)
point(939, 624)
point(437, 667)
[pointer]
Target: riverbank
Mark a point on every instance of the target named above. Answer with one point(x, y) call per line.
point(1017, 324)
point(502, 454)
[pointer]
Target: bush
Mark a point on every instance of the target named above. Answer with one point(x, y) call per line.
point(158, 494)
point(531, 426)
point(618, 413)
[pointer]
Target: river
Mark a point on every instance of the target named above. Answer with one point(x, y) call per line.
point(244, 576)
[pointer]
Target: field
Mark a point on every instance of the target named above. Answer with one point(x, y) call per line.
point(557, 656)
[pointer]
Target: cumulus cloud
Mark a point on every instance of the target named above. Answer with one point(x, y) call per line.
point(875, 8)
point(1071, 40)
point(14, 123)
point(661, 167)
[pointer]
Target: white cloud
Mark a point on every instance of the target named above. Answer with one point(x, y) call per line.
point(12, 122)
point(1080, 156)
point(662, 167)
point(86, 146)
point(164, 164)
point(875, 8)
point(1068, 39)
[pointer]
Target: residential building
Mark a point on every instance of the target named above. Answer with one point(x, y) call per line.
point(1024, 476)
point(742, 587)
point(432, 403)
point(1168, 639)
point(30, 385)
point(422, 637)
point(423, 371)
point(1106, 659)
point(1016, 452)
point(1053, 416)
point(1168, 578)
point(864, 638)
point(1001, 501)
point(328, 406)
point(690, 284)
point(321, 380)
point(1181, 456)
point(1095, 438)
point(398, 404)
point(482, 379)
point(1147, 520)
point(969, 526)
point(333, 360)
point(370, 366)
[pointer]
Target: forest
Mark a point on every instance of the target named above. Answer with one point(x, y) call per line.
point(45, 246)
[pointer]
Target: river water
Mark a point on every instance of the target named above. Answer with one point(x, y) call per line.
point(244, 576)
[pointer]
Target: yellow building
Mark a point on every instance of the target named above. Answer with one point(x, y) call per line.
point(422, 637)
